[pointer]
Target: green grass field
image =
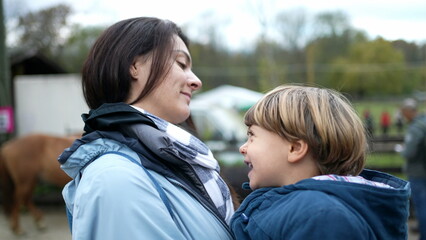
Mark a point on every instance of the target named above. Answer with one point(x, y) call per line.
point(384, 160)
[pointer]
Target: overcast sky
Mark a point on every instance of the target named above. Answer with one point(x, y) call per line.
point(238, 21)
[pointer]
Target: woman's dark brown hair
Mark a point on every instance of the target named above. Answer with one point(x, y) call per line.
point(106, 77)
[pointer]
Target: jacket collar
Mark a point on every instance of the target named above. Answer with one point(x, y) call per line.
point(110, 116)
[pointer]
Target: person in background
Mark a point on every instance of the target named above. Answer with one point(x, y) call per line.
point(385, 122)
point(414, 152)
point(136, 174)
point(399, 121)
point(306, 151)
point(369, 123)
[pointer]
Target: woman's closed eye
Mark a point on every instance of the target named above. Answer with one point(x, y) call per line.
point(182, 65)
point(183, 59)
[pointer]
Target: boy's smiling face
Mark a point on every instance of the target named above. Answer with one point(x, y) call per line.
point(266, 153)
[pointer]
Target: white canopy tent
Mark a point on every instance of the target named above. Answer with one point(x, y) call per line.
point(218, 116)
point(228, 96)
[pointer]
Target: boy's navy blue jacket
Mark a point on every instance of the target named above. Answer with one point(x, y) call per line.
point(323, 209)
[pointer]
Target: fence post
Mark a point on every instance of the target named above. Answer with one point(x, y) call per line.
point(5, 82)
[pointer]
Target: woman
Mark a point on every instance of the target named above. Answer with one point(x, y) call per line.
point(136, 175)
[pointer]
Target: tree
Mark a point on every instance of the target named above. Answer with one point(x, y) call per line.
point(333, 35)
point(332, 39)
point(292, 26)
point(208, 53)
point(265, 55)
point(415, 57)
point(271, 66)
point(371, 68)
point(74, 51)
point(43, 30)
point(411, 51)
point(332, 24)
point(5, 89)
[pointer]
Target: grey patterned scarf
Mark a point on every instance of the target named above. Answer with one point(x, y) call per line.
point(197, 154)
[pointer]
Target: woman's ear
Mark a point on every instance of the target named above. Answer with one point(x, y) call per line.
point(133, 71)
point(297, 151)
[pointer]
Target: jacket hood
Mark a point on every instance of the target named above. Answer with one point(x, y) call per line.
point(382, 208)
point(103, 122)
point(77, 158)
point(385, 210)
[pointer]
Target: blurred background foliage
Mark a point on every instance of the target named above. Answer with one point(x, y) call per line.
point(322, 50)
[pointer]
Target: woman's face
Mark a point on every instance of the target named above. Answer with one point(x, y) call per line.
point(170, 100)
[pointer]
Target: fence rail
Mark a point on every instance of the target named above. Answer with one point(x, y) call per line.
point(387, 144)
point(382, 144)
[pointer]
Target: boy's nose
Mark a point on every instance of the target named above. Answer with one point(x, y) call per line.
point(243, 149)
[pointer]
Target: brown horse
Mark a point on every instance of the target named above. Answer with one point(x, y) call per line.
point(23, 163)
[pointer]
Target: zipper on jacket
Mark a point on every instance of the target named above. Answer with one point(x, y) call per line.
point(195, 195)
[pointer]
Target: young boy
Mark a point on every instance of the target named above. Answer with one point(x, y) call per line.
point(306, 151)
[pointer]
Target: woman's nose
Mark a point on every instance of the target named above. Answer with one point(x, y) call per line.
point(194, 82)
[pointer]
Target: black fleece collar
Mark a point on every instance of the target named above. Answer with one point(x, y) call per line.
point(110, 116)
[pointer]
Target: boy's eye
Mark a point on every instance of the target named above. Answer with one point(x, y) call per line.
point(249, 133)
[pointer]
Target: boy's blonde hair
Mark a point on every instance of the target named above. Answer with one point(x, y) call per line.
point(321, 117)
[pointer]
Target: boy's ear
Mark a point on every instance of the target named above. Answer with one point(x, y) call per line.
point(298, 150)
